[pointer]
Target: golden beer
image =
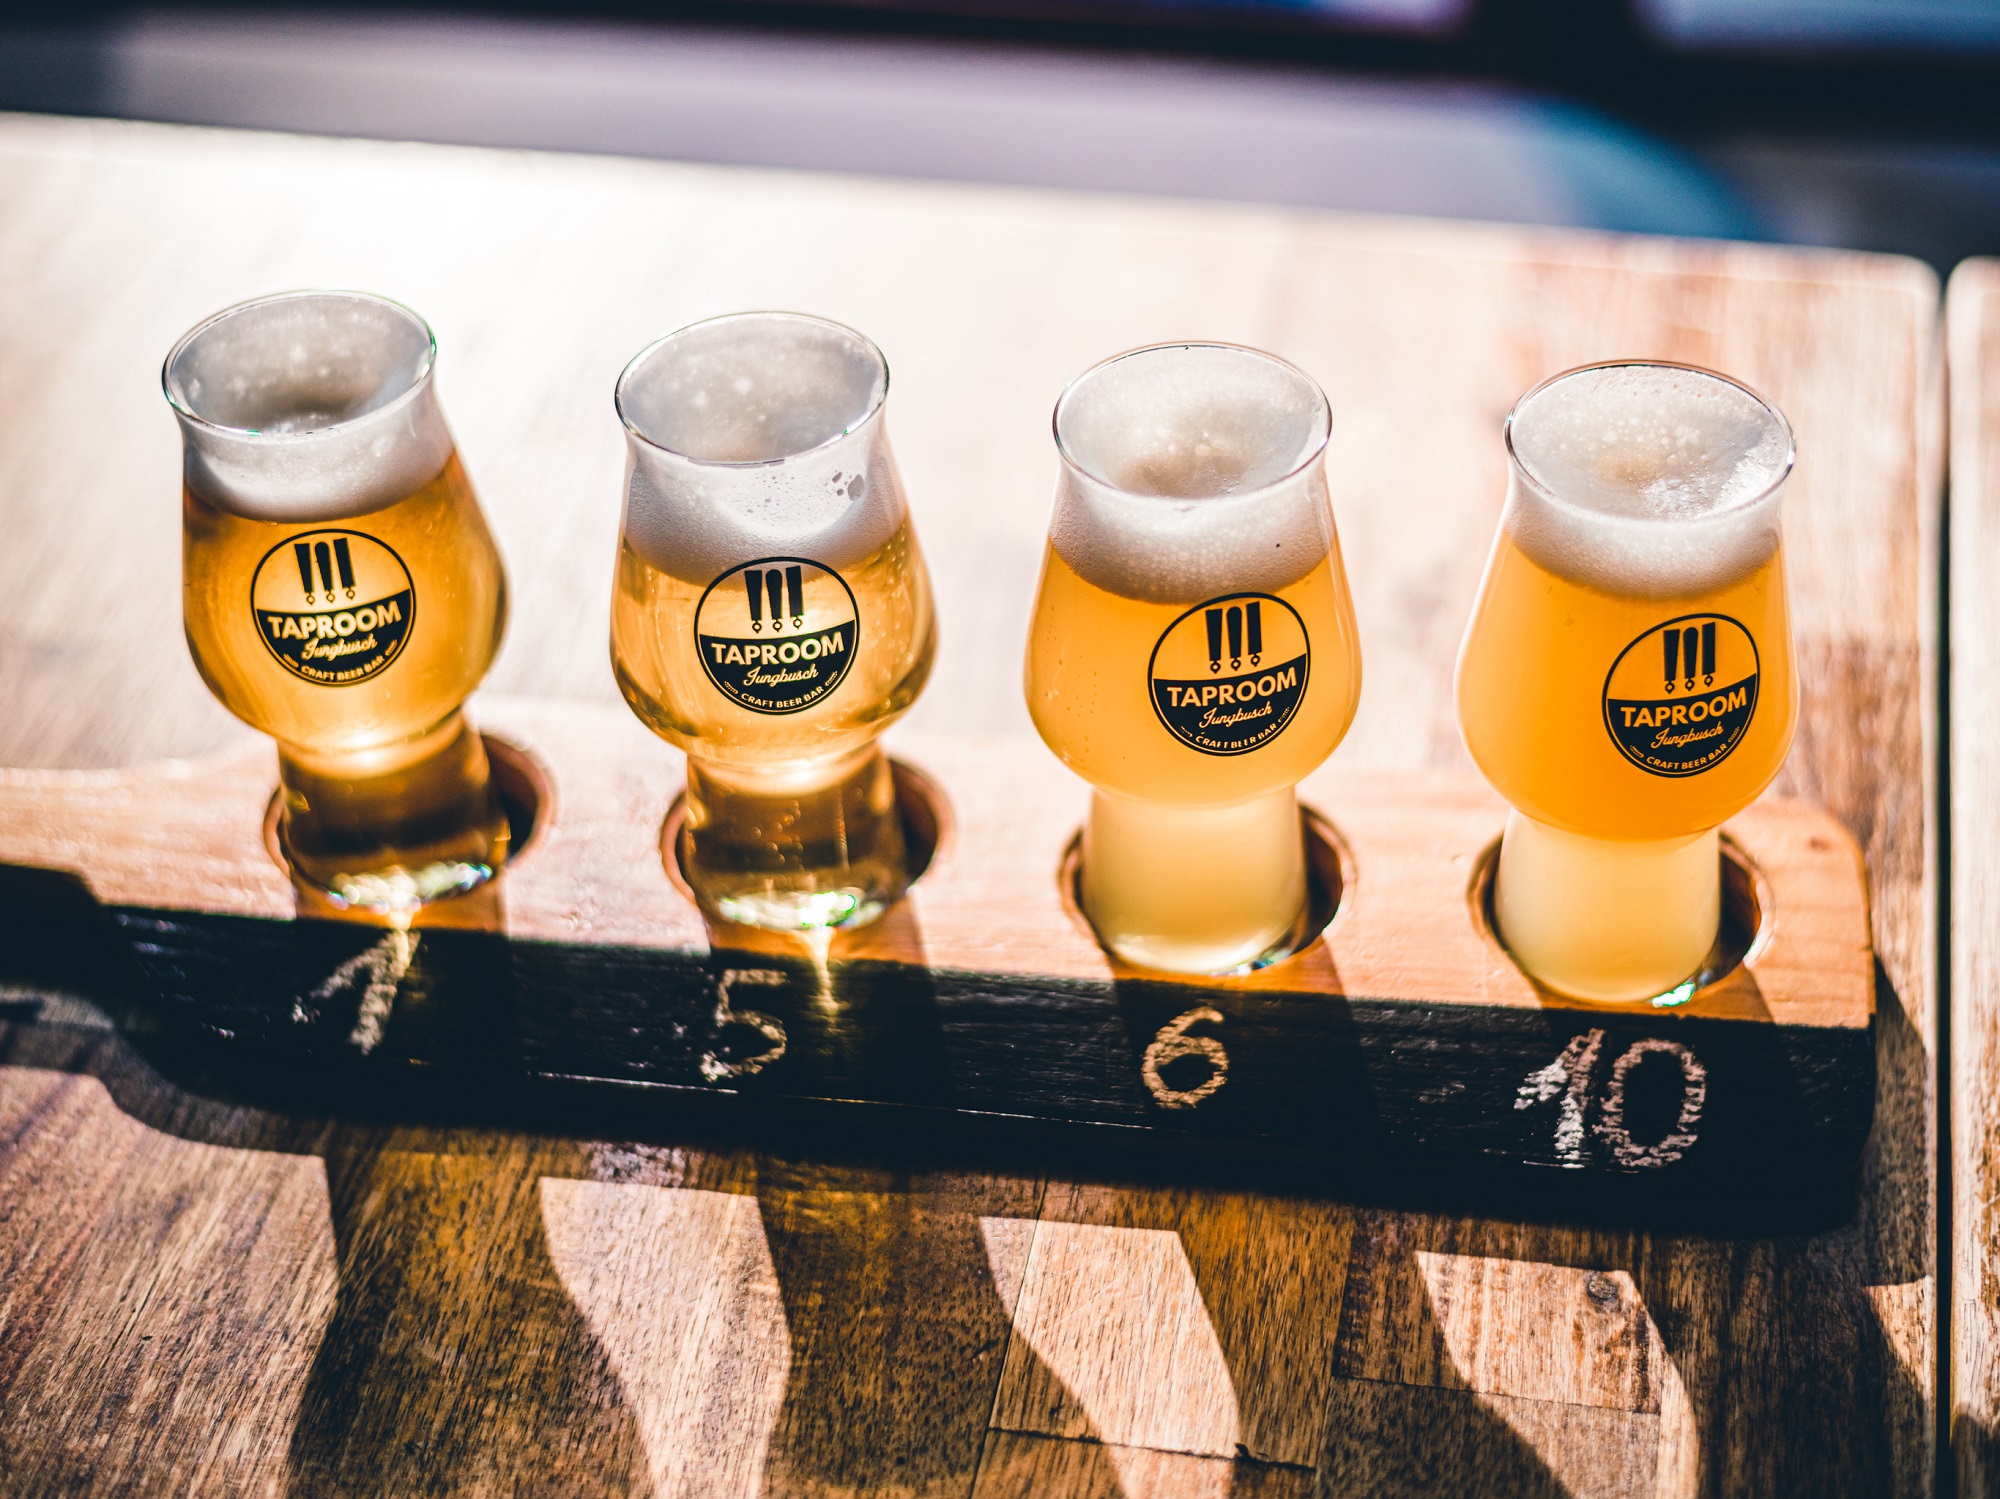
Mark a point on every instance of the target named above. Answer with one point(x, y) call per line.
point(1093, 709)
point(657, 655)
point(341, 591)
point(1539, 734)
point(1193, 653)
point(771, 612)
point(1626, 682)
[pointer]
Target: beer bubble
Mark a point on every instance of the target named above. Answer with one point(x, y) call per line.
point(1191, 470)
point(310, 406)
point(757, 435)
point(1646, 479)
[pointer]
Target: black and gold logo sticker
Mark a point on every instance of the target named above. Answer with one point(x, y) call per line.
point(777, 635)
point(1680, 697)
point(1228, 675)
point(335, 607)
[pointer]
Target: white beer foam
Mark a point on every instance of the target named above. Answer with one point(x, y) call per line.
point(309, 406)
point(757, 435)
point(1191, 470)
point(1651, 480)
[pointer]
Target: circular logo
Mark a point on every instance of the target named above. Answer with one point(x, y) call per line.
point(1680, 697)
point(1228, 675)
point(778, 634)
point(334, 607)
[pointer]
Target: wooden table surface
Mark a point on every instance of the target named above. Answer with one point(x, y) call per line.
point(1973, 340)
point(202, 1298)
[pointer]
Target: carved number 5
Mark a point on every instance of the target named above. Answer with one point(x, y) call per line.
point(1170, 1045)
point(714, 1068)
point(1569, 1076)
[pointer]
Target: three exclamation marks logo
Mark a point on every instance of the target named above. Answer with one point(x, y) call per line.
point(1243, 624)
point(779, 587)
point(324, 556)
point(1680, 697)
point(1680, 646)
point(1229, 674)
point(334, 607)
point(778, 634)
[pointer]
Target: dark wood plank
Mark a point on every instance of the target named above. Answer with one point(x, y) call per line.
point(1400, 1046)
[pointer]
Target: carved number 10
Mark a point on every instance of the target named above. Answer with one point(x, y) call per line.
point(1568, 1079)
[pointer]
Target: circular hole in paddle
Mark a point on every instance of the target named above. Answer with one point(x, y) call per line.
point(1329, 877)
point(519, 782)
point(920, 807)
point(1746, 898)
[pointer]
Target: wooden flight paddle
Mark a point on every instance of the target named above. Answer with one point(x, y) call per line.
point(1399, 1052)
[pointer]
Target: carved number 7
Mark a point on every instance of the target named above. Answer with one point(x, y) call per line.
point(1568, 1078)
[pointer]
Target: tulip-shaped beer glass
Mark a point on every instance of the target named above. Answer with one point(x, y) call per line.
point(340, 589)
point(1193, 653)
point(771, 613)
point(1626, 681)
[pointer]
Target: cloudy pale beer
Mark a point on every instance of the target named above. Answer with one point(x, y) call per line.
point(340, 589)
point(1626, 682)
point(771, 613)
point(1193, 652)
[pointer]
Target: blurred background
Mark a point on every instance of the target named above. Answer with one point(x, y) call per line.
point(1870, 124)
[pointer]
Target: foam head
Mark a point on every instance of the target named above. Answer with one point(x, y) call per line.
point(1190, 470)
point(308, 406)
point(1654, 480)
point(754, 435)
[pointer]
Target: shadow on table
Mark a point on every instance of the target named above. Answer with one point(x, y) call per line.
point(457, 1360)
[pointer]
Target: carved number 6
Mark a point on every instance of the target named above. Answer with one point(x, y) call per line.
point(1170, 1045)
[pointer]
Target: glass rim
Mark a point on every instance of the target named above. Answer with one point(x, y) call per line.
point(1535, 482)
point(1313, 455)
point(875, 405)
point(254, 434)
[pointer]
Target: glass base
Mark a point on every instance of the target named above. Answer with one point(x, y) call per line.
point(1608, 921)
point(803, 851)
point(391, 831)
point(782, 911)
point(1199, 890)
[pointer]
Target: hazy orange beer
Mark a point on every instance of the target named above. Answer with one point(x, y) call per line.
point(340, 589)
point(1193, 653)
point(1626, 681)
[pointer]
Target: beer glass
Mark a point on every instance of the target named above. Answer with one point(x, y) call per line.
point(340, 589)
point(1626, 681)
point(771, 613)
point(1193, 653)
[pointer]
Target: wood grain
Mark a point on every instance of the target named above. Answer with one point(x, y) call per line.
point(678, 1286)
point(161, 1263)
point(1973, 337)
point(1573, 1336)
point(1390, 1441)
point(1800, 1365)
point(991, 901)
point(1267, 1273)
point(983, 1005)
